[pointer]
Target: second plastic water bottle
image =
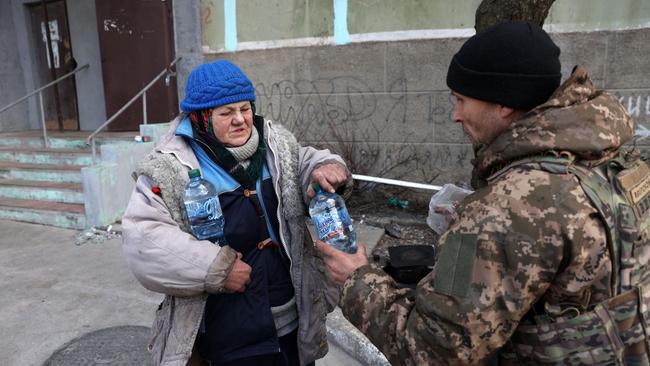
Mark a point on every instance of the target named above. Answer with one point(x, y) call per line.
point(203, 208)
point(332, 221)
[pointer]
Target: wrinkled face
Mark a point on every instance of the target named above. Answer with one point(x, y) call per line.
point(232, 123)
point(481, 120)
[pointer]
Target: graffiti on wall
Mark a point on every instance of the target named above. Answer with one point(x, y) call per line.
point(639, 108)
point(304, 104)
point(388, 133)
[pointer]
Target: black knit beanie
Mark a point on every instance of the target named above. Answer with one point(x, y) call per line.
point(515, 64)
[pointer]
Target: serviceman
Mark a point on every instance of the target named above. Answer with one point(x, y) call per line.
point(546, 262)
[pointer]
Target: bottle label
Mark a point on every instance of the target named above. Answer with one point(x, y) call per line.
point(208, 208)
point(328, 224)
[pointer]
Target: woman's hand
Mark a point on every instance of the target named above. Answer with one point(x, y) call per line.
point(329, 177)
point(239, 276)
point(340, 265)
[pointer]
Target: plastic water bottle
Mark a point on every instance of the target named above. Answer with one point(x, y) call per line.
point(203, 208)
point(332, 221)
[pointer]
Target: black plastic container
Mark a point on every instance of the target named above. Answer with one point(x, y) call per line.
point(408, 264)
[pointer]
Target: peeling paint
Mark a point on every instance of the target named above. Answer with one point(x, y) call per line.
point(45, 176)
point(42, 194)
point(45, 158)
point(113, 25)
point(54, 218)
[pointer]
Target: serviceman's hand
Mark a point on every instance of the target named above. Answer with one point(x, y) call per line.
point(329, 177)
point(239, 276)
point(340, 265)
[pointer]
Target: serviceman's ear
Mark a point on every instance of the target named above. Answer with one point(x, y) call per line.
point(508, 113)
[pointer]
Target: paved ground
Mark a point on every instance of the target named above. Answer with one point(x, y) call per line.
point(55, 291)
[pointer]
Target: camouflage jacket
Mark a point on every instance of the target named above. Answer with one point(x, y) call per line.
point(523, 236)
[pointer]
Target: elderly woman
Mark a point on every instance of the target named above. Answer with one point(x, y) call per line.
point(262, 298)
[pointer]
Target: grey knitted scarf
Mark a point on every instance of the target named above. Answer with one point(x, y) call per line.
point(243, 153)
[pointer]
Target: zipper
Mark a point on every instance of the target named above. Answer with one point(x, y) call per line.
point(275, 186)
point(267, 220)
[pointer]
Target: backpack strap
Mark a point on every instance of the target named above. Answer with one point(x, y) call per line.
point(594, 182)
point(619, 189)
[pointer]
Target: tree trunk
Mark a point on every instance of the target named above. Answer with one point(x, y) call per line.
point(492, 12)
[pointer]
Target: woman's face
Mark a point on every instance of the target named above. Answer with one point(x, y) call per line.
point(232, 123)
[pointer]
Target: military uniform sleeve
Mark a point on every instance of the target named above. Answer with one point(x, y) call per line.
point(495, 261)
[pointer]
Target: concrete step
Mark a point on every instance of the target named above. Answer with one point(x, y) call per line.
point(40, 172)
point(65, 215)
point(48, 176)
point(60, 140)
point(46, 156)
point(42, 191)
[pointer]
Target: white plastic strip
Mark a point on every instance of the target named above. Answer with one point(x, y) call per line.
point(412, 35)
point(396, 182)
point(281, 43)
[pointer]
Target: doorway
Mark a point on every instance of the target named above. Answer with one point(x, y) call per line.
point(136, 44)
point(59, 101)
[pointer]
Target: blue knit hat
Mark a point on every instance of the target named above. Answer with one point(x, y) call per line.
point(216, 84)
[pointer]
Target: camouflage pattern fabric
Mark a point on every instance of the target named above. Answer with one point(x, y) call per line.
point(526, 236)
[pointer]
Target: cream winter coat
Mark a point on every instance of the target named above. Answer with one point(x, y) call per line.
point(166, 258)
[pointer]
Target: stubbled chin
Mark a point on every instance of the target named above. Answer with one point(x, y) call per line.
point(470, 137)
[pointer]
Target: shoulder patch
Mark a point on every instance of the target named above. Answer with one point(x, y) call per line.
point(635, 183)
point(456, 265)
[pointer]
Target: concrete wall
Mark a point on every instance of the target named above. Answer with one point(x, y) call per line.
point(108, 185)
point(269, 21)
point(385, 105)
point(11, 73)
point(85, 49)
point(187, 40)
point(381, 100)
point(266, 20)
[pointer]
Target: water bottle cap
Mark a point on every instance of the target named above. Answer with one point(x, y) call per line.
point(194, 173)
point(316, 187)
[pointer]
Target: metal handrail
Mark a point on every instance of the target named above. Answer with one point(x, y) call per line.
point(143, 92)
point(40, 99)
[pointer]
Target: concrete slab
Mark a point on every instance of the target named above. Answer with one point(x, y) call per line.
point(627, 66)
point(344, 335)
point(56, 293)
point(421, 65)
point(351, 66)
point(588, 52)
